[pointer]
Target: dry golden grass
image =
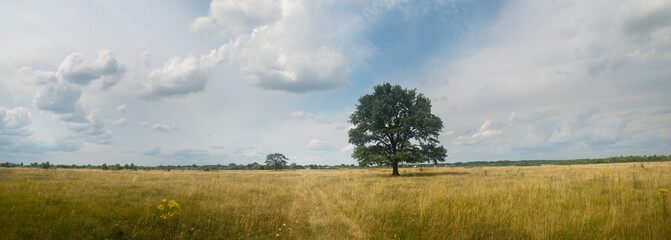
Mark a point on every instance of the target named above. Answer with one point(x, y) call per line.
point(546, 202)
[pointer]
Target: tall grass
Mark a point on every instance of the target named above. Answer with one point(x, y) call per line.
point(559, 202)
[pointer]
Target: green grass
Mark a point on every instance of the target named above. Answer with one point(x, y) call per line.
point(556, 202)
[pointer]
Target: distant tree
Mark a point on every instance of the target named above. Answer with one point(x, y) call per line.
point(395, 125)
point(256, 166)
point(45, 165)
point(232, 166)
point(293, 166)
point(276, 161)
point(104, 166)
point(115, 167)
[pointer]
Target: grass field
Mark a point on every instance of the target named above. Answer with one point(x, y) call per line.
point(606, 201)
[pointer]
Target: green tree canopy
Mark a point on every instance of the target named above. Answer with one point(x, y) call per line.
point(276, 161)
point(395, 125)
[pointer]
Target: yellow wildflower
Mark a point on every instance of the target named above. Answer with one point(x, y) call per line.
point(664, 192)
point(169, 209)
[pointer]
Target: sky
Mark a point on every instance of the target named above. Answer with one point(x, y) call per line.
point(227, 81)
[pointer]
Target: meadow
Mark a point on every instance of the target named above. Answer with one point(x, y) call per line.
point(601, 201)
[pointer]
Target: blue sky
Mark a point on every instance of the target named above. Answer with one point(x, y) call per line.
point(170, 82)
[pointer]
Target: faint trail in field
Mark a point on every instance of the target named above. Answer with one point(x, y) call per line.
point(326, 212)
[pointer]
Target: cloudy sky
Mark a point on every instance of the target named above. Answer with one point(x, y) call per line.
point(184, 82)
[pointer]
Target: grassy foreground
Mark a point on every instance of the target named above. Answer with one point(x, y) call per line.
point(606, 201)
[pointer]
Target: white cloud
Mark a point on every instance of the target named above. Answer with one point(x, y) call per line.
point(292, 46)
point(272, 66)
point(182, 76)
point(37, 77)
point(238, 17)
point(78, 69)
point(160, 127)
point(93, 128)
point(485, 132)
point(16, 134)
point(15, 122)
point(120, 122)
point(348, 148)
point(300, 114)
point(62, 99)
point(320, 145)
point(164, 127)
point(480, 134)
point(59, 98)
point(122, 108)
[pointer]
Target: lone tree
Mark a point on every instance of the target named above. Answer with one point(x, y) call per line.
point(395, 125)
point(276, 160)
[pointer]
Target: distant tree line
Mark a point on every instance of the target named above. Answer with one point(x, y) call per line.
point(620, 159)
point(230, 166)
point(258, 166)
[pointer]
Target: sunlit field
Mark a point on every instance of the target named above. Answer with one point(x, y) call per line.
point(605, 201)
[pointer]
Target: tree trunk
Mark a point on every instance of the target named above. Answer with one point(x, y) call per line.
point(394, 165)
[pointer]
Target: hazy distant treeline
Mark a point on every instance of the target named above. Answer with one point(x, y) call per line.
point(230, 166)
point(257, 166)
point(620, 159)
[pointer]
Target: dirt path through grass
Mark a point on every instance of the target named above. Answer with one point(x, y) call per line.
point(327, 220)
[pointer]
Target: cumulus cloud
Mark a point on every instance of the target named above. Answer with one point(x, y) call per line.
point(37, 77)
point(292, 46)
point(80, 70)
point(60, 93)
point(237, 17)
point(272, 66)
point(182, 76)
point(58, 98)
point(15, 122)
point(93, 128)
point(62, 99)
point(320, 145)
point(16, 134)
